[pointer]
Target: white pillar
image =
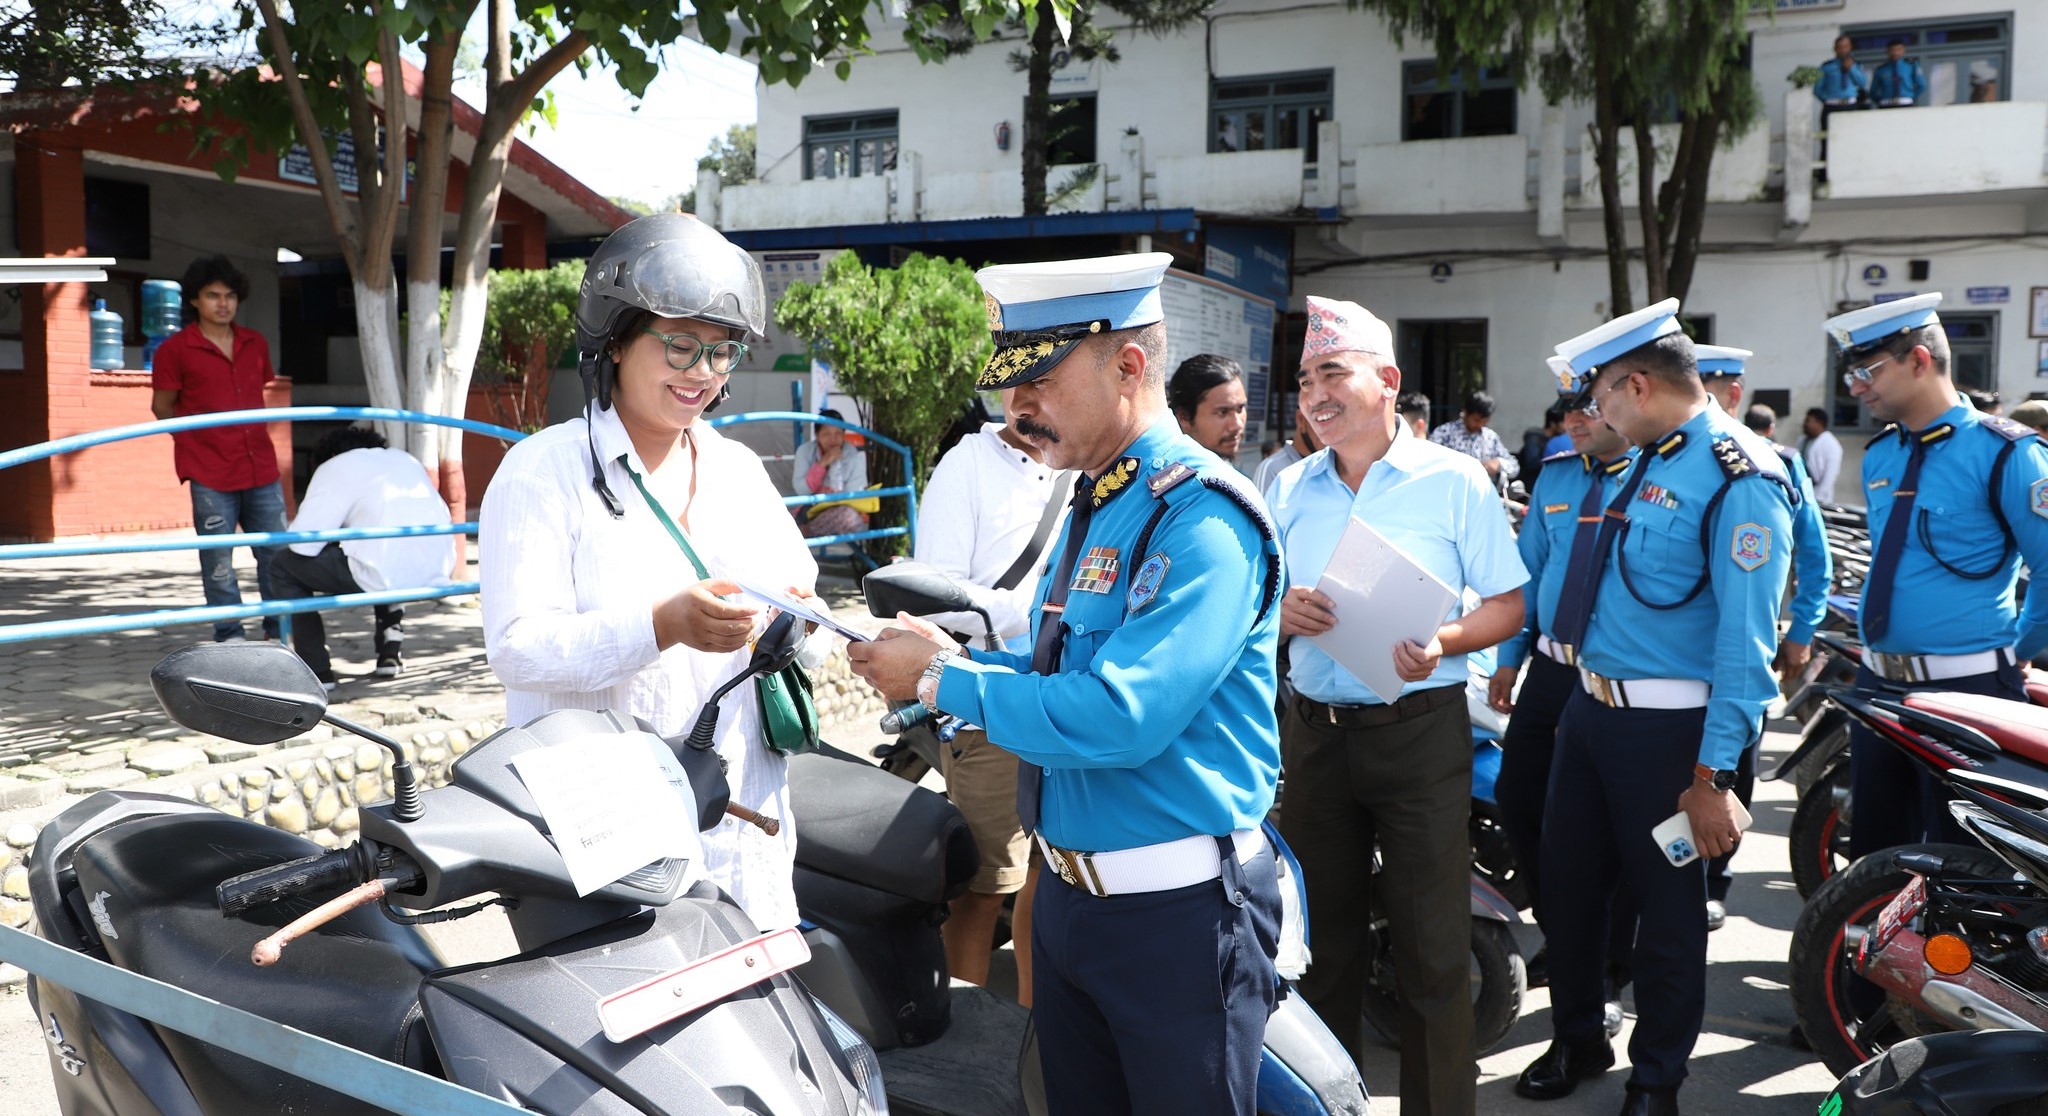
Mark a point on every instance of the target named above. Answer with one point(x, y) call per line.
point(1550, 176)
point(1328, 192)
point(1126, 189)
point(1799, 114)
point(707, 197)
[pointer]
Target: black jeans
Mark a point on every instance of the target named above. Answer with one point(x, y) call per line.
point(293, 576)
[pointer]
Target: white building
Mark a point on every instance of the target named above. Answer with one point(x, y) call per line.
point(1293, 144)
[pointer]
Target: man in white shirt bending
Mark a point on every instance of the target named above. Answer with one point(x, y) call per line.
point(986, 517)
point(358, 481)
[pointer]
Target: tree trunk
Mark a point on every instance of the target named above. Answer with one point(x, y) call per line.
point(377, 340)
point(1038, 109)
point(1607, 157)
point(1646, 206)
point(1671, 196)
point(1692, 212)
point(423, 244)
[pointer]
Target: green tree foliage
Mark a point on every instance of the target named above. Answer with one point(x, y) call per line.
point(731, 155)
point(939, 32)
point(908, 341)
point(529, 327)
point(1639, 64)
point(49, 44)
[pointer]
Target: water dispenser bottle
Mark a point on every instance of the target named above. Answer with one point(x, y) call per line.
point(106, 336)
point(163, 310)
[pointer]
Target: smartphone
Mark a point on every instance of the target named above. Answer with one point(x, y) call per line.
point(1675, 839)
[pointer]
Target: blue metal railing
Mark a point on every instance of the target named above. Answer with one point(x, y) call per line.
point(284, 609)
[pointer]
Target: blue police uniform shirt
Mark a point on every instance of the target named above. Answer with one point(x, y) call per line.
point(1969, 605)
point(1545, 541)
point(1901, 80)
point(1434, 503)
point(1160, 723)
point(1838, 83)
point(1726, 633)
point(1813, 568)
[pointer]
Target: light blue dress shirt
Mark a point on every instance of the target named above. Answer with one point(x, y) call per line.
point(1839, 84)
point(1967, 606)
point(1160, 724)
point(1813, 568)
point(1545, 541)
point(1689, 595)
point(1436, 504)
point(1901, 80)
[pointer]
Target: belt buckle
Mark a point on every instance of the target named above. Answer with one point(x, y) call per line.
point(1601, 688)
point(1060, 864)
point(1330, 713)
point(1566, 653)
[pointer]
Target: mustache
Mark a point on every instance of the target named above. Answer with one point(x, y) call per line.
point(1034, 430)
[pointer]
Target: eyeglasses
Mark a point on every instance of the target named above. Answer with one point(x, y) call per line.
point(684, 351)
point(1862, 374)
point(1592, 408)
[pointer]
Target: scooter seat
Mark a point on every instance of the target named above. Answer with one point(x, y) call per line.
point(2037, 693)
point(148, 888)
point(2015, 726)
point(862, 824)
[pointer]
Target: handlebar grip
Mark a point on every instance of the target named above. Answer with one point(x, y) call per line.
point(324, 871)
point(900, 720)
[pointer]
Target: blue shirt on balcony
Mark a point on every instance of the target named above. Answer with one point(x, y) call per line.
point(1841, 84)
point(1898, 80)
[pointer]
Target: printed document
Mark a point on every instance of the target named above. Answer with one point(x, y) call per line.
point(1381, 598)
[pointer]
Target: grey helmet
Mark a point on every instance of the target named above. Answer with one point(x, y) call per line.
point(671, 264)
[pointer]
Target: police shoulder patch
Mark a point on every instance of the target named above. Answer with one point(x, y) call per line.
point(2037, 497)
point(1751, 546)
point(1146, 582)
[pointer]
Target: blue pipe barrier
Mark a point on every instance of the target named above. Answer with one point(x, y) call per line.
point(907, 491)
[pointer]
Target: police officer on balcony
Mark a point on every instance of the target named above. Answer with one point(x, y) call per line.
point(1957, 498)
point(1144, 712)
point(1723, 370)
point(1675, 622)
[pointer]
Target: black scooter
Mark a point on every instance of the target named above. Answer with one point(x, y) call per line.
point(648, 994)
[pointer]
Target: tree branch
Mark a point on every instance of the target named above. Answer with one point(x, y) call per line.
point(309, 132)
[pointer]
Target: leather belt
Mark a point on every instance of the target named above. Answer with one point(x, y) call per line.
point(1936, 668)
point(1161, 867)
point(1558, 652)
point(1372, 716)
point(1644, 693)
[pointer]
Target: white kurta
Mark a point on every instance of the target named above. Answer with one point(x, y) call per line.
point(977, 513)
point(568, 600)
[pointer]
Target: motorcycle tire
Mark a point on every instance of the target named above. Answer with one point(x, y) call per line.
point(1500, 979)
point(1815, 766)
point(1818, 842)
point(1846, 1019)
point(1493, 857)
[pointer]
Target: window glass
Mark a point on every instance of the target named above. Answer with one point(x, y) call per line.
point(1269, 114)
point(845, 146)
point(1440, 106)
point(1964, 61)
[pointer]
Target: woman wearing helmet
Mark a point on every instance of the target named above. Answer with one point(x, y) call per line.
point(589, 601)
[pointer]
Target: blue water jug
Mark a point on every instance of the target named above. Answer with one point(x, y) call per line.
point(106, 336)
point(163, 310)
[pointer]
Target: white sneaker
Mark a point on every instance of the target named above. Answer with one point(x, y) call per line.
point(388, 667)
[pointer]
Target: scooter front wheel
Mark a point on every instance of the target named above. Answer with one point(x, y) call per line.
point(1500, 978)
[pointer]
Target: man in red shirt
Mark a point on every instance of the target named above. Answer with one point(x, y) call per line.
point(215, 365)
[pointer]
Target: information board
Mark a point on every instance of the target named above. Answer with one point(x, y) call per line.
point(1207, 316)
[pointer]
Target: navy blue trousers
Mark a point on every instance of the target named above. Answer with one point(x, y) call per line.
point(1155, 1002)
point(1522, 791)
point(1721, 869)
point(1897, 801)
point(1616, 776)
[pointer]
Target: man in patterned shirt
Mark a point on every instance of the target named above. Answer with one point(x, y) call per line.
point(1471, 435)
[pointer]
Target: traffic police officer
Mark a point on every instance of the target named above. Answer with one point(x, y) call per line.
point(1956, 499)
point(1723, 370)
point(1148, 701)
point(1563, 521)
point(1675, 626)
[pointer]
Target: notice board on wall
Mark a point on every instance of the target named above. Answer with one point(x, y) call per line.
point(1204, 315)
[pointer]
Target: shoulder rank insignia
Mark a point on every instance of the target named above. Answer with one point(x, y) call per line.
point(1113, 481)
point(1733, 459)
point(1751, 547)
point(1788, 453)
point(2008, 429)
point(1097, 572)
point(1166, 478)
point(1150, 576)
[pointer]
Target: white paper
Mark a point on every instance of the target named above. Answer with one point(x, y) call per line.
point(798, 607)
point(1381, 598)
point(612, 807)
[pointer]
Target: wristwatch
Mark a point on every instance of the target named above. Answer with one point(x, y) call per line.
point(1721, 780)
point(928, 682)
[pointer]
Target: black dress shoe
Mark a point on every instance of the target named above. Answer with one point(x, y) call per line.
point(1560, 1069)
point(1650, 1102)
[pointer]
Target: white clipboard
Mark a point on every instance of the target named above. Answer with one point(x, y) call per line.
point(1381, 598)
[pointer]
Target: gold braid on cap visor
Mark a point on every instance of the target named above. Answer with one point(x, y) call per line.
point(1016, 359)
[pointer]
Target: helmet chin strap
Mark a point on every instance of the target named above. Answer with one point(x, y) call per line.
point(595, 394)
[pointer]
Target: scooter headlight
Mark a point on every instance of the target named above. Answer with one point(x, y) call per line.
point(867, 1068)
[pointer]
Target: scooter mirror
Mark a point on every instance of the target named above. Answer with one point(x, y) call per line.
point(917, 588)
point(253, 693)
point(777, 646)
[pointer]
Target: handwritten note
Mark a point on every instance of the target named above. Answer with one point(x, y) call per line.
point(612, 805)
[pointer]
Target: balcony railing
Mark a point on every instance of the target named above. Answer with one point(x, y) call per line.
point(1954, 149)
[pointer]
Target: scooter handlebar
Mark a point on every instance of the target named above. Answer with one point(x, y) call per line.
point(321, 872)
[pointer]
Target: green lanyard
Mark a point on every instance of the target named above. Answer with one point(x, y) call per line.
point(661, 513)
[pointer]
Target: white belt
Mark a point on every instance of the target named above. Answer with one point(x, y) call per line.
point(1935, 668)
point(1644, 693)
point(1160, 867)
point(1561, 653)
